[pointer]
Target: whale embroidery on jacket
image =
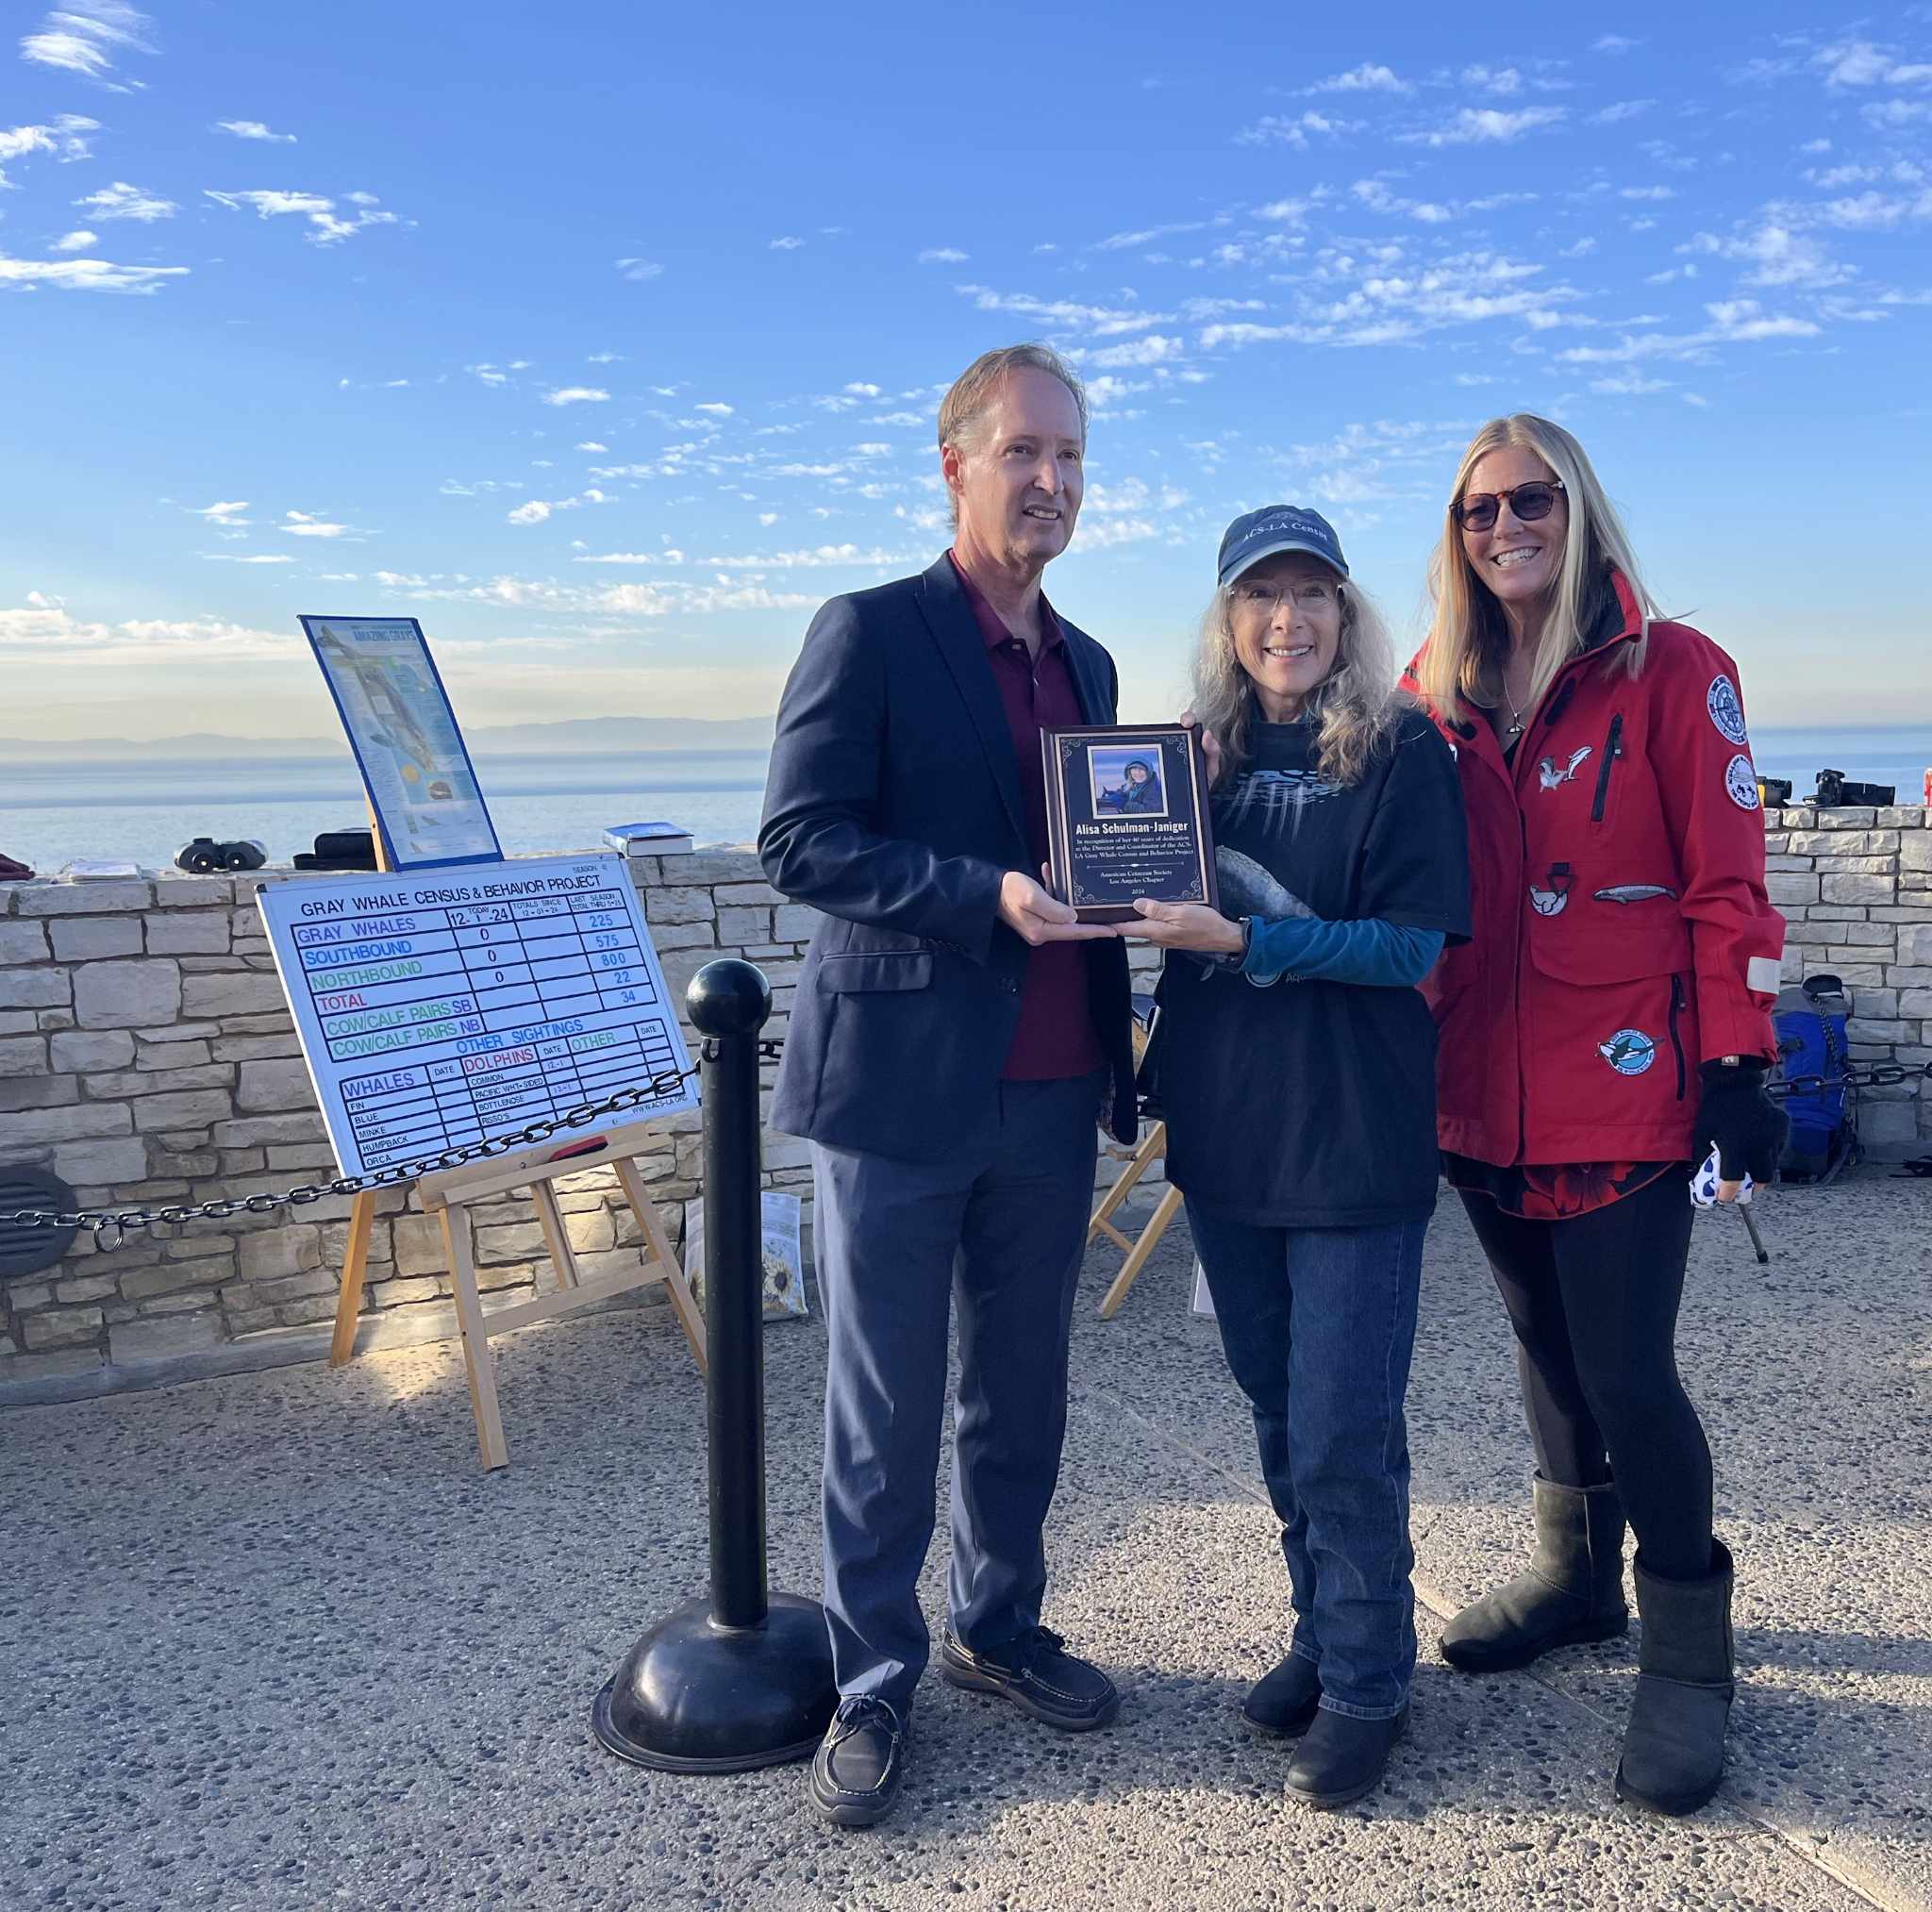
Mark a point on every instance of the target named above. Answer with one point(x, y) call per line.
point(1554, 778)
point(1634, 893)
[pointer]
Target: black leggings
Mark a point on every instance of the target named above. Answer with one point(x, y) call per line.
point(1593, 1301)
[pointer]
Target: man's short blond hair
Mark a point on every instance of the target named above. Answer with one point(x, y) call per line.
point(963, 411)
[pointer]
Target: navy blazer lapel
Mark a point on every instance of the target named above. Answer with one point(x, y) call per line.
point(956, 630)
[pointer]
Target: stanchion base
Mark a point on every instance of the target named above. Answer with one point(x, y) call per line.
point(691, 1697)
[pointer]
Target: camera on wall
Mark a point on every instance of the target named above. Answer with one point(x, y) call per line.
point(204, 856)
point(1836, 792)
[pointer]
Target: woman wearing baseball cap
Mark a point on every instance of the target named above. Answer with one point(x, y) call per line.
point(1608, 1025)
point(1294, 1063)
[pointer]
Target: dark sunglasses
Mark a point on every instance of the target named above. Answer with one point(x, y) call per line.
point(1529, 502)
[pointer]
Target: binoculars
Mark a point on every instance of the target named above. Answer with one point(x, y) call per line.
point(207, 858)
point(1836, 790)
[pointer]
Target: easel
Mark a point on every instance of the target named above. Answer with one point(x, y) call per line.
point(1152, 1146)
point(446, 1195)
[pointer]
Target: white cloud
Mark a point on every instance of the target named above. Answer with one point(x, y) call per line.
point(639, 270)
point(1132, 241)
point(1889, 115)
point(1272, 129)
point(590, 446)
point(858, 388)
point(43, 626)
point(533, 514)
point(942, 256)
point(1646, 193)
point(1860, 63)
point(220, 512)
point(254, 129)
point(1613, 42)
point(83, 37)
point(1629, 385)
point(1780, 252)
point(716, 408)
point(235, 557)
point(123, 201)
point(1102, 321)
point(1619, 111)
point(1155, 349)
point(785, 244)
point(327, 226)
point(65, 136)
point(1365, 79)
point(309, 524)
point(1100, 534)
point(1493, 79)
point(576, 394)
point(86, 274)
point(1478, 126)
point(75, 241)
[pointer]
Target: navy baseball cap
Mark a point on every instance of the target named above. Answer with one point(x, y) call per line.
point(1275, 528)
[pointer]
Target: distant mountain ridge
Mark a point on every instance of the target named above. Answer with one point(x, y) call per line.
point(589, 734)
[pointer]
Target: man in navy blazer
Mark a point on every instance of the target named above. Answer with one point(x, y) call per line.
point(956, 1037)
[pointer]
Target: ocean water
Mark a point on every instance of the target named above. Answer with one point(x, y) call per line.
point(51, 813)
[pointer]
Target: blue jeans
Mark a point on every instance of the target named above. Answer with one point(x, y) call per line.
point(1319, 1325)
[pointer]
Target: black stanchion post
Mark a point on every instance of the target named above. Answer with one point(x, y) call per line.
point(744, 1678)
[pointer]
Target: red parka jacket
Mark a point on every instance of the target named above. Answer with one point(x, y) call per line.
point(1623, 934)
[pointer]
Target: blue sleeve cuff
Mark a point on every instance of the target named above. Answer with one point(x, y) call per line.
point(1372, 952)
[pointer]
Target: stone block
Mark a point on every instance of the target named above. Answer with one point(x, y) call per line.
point(81, 898)
point(242, 992)
point(1914, 851)
point(102, 1164)
point(39, 1127)
point(22, 942)
point(516, 1241)
point(85, 1287)
point(116, 1084)
point(23, 1055)
point(60, 1327)
point(18, 1021)
point(714, 864)
point(86, 938)
point(257, 1131)
point(670, 936)
point(289, 1250)
point(1879, 1031)
point(1844, 843)
point(403, 1292)
point(737, 927)
point(35, 988)
point(180, 1110)
point(676, 904)
point(794, 923)
point(1778, 864)
point(166, 1056)
point(128, 995)
point(190, 932)
point(296, 1287)
point(175, 1277)
point(1915, 1004)
point(419, 1245)
point(1873, 1000)
point(1783, 887)
point(257, 1048)
point(737, 894)
point(38, 1091)
point(82, 1051)
point(1883, 1122)
point(1904, 816)
point(277, 1024)
point(157, 1339)
point(208, 965)
point(1915, 945)
point(1855, 818)
point(1848, 890)
point(591, 1232)
point(273, 1086)
point(177, 890)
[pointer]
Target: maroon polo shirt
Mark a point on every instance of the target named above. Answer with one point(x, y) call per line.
point(1055, 1036)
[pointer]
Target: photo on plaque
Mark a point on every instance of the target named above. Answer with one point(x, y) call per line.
point(1126, 781)
point(1127, 817)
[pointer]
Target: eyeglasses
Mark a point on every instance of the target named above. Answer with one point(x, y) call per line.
point(1266, 599)
point(1537, 499)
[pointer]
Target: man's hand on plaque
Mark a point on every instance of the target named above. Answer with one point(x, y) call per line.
point(1041, 917)
point(1185, 925)
point(1211, 744)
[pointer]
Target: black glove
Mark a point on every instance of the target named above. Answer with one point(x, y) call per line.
point(1747, 1126)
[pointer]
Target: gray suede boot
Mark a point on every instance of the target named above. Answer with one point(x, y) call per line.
point(1572, 1592)
point(1674, 1748)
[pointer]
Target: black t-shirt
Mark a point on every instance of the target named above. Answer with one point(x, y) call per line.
point(1312, 1104)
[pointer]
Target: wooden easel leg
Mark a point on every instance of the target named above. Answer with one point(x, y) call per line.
point(1152, 1146)
point(1136, 1259)
point(683, 1302)
point(354, 1265)
point(555, 1234)
point(477, 1358)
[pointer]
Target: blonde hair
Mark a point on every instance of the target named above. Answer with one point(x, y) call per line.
point(1355, 706)
point(1469, 639)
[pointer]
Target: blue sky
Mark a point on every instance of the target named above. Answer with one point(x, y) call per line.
point(607, 340)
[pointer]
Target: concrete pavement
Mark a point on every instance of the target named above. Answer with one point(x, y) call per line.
point(274, 1641)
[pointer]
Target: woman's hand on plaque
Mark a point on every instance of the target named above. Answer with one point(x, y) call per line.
point(1037, 916)
point(1185, 925)
point(1211, 744)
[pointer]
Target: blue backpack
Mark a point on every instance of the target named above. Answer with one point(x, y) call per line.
point(1810, 1026)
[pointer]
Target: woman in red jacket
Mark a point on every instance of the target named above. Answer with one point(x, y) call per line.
point(1607, 1025)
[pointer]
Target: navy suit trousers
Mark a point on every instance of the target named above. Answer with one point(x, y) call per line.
point(1001, 1223)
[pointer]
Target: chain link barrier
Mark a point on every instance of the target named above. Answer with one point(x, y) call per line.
point(111, 1226)
point(1884, 1075)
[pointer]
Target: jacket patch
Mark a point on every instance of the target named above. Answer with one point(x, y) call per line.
point(1740, 782)
point(1629, 1051)
point(1765, 974)
point(1556, 899)
point(1725, 709)
point(1634, 893)
point(1552, 778)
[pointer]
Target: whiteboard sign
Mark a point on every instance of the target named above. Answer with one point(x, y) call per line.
point(436, 1010)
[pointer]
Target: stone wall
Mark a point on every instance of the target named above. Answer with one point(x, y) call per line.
point(1856, 888)
point(147, 1057)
